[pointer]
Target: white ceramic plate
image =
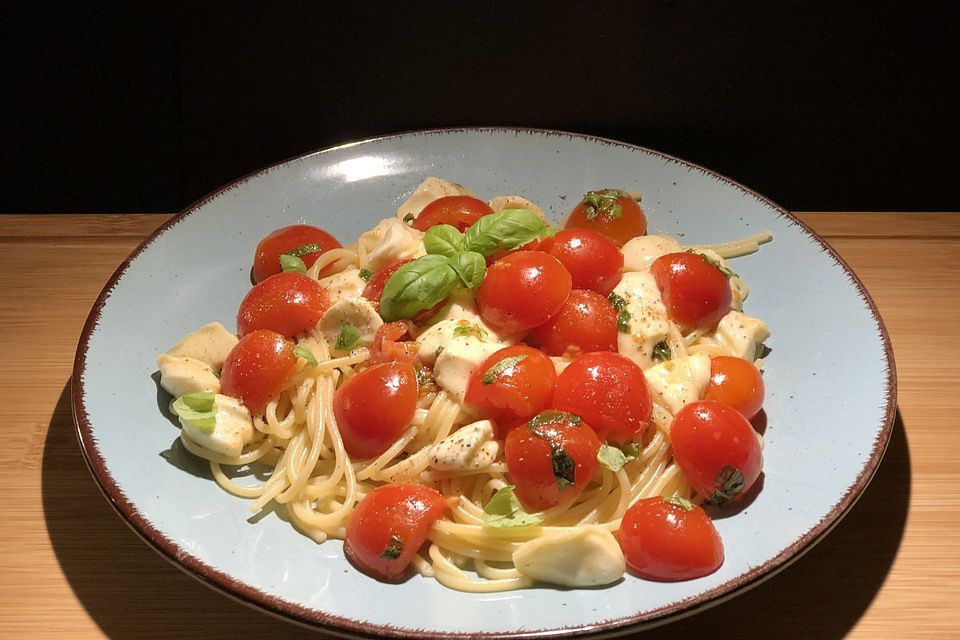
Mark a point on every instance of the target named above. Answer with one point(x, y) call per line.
point(830, 379)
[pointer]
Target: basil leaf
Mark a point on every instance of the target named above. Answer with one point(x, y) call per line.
point(365, 275)
point(603, 202)
point(349, 338)
point(470, 266)
point(304, 249)
point(661, 351)
point(563, 467)
point(199, 409)
point(504, 511)
point(490, 375)
point(292, 264)
point(508, 229)
point(468, 329)
point(394, 548)
point(731, 483)
point(719, 265)
point(546, 417)
point(444, 240)
point(301, 351)
point(623, 316)
point(681, 502)
point(612, 457)
point(409, 218)
point(416, 286)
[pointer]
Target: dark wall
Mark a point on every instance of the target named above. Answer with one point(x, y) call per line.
point(146, 107)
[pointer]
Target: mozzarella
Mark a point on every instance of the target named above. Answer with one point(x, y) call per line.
point(389, 241)
point(211, 343)
point(233, 429)
point(640, 252)
point(358, 312)
point(469, 448)
point(183, 375)
point(429, 190)
point(741, 334)
point(460, 311)
point(648, 321)
point(460, 356)
point(560, 363)
point(344, 285)
point(516, 202)
point(585, 556)
point(680, 381)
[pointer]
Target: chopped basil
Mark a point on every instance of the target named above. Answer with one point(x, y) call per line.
point(681, 502)
point(394, 548)
point(508, 229)
point(349, 338)
point(365, 275)
point(438, 351)
point(661, 351)
point(199, 409)
point(469, 329)
point(301, 351)
point(444, 240)
point(304, 249)
point(409, 218)
point(731, 483)
point(719, 265)
point(504, 511)
point(489, 376)
point(563, 467)
point(623, 316)
point(424, 377)
point(613, 457)
point(603, 202)
point(292, 264)
point(416, 286)
point(546, 417)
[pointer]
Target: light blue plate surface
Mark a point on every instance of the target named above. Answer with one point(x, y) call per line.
point(830, 378)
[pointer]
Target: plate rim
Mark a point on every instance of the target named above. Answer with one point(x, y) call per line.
point(317, 619)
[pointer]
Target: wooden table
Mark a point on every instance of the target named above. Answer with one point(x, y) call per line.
point(69, 567)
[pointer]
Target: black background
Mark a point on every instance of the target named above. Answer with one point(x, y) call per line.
point(126, 107)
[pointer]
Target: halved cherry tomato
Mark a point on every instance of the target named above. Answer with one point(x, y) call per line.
point(373, 291)
point(512, 384)
point(388, 347)
point(593, 260)
point(389, 525)
point(586, 322)
point(717, 449)
point(736, 383)
point(258, 368)
point(669, 540)
point(551, 458)
point(266, 259)
point(695, 292)
point(610, 212)
point(609, 392)
point(523, 290)
point(375, 407)
point(287, 303)
point(458, 211)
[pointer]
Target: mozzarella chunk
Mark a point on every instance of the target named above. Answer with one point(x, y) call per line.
point(677, 382)
point(429, 190)
point(358, 312)
point(560, 363)
point(640, 252)
point(211, 343)
point(182, 375)
point(234, 428)
point(344, 285)
point(469, 448)
point(741, 334)
point(516, 202)
point(649, 323)
point(460, 356)
point(585, 556)
point(389, 241)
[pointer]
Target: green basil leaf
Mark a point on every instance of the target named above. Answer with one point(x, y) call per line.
point(681, 502)
point(603, 202)
point(301, 351)
point(471, 267)
point(546, 417)
point(504, 511)
point(612, 457)
point(564, 467)
point(661, 351)
point(719, 265)
point(304, 249)
point(731, 482)
point(365, 275)
point(444, 240)
point(292, 264)
point(468, 329)
point(416, 286)
point(394, 548)
point(490, 375)
point(349, 338)
point(199, 409)
point(623, 316)
point(508, 229)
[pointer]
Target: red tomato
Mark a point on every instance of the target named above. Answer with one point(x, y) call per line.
point(389, 525)
point(534, 245)
point(375, 286)
point(736, 383)
point(551, 458)
point(717, 449)
point(516, 392)
point(695, 292)
point(609, 392)
point(523, 290)
point(586, 322)
point(606, 211)
point(287, 303)
point(388, 347)
point(266, 259)
point(593, 260)
point(663, 540)
point(257, 369)
point(458, 211)
point(374, 407)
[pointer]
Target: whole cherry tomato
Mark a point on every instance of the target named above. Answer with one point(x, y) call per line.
point(717, 449)
point(551, 458)
point(669, 540)
point(258, 368)
point(287, 303)
point(534, 245)
point(457, 211)
point(593, 260)
point(609, 392)
point(695, 292)
point(389, 525)
point(266, 259)
point(375, 407)
point(388, 347)
point(375, 286)
point(611, 212)
point(512, 384)
point(736, 383)
point(586, 322)
point(522, 290)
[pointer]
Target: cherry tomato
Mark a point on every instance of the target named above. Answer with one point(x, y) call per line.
point(375, 286)
point(609, 392)
point(287, 303)
point(593, 260)
point(736, 383)
point(388, 347)
point(389, 525)
point(717, 449)
point(514, 392)
point(534, 245)
point(695, 292)
point(374, 407)
point(258, 368)
point(586, 322)
point(523, 290)
point(266, 259)
point(551, 458)
point(458, 211)
point(610, 212)
point(664, 540)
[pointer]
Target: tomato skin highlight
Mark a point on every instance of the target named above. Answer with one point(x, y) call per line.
point(593, 260)
point(586, 322)
point(404, 511)
point(266, 259)
point(518, 392)
point(663, 541)
point(736, 383)
point(375, 407)
point(522, 290)
point(695, 292)
point(287, 303)
point(610, 393)
point(707, 437)
point(457, 211)
point(257, 369)
point(631, 223)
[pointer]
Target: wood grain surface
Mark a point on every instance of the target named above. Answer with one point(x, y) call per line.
point(72, 568)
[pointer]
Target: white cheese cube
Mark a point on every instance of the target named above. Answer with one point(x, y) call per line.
point(234, 428)
point(677, 382)
point(741, 334)
point(358, 312)
point(460, 356)
point(649, 323)
point(469, 448)
point(183, 375)
point(211, 343)
point(640, 252)
point(345, 285)
point(389, 241)
point(585, 556)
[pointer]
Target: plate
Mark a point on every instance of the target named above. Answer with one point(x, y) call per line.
point(830, 379)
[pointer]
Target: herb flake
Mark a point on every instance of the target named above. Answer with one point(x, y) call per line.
point(292, 264)
point(490, 375)
point(349, 338)
point(731, 482)
point(302, 351)
point(365, 275)
point(603, 202)
point(661, 351)
point(199, 409)
point(394, 548)
point(503, 511)
point(623, 316)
